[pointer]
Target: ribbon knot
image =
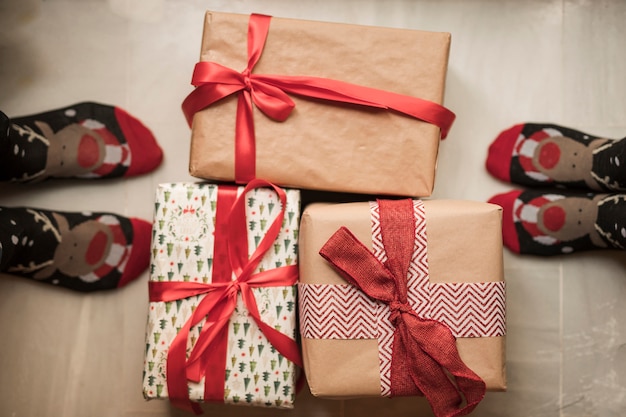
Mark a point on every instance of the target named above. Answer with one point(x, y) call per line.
point(246, 79)
point(397, 309)
point(234, 288)
point(214, 82)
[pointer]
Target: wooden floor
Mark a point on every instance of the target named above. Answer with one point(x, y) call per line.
point(562, 61)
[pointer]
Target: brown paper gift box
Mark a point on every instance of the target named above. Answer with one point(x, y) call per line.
point(464, 245)
point(326, 146)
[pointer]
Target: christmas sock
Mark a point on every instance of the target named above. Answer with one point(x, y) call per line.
point(544, 155)
point(85, 140)
point(541, 222)
point(80, 251)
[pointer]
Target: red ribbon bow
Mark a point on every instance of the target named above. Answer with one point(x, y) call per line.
point(214, 82)
point(424, 350)
point(208, 356)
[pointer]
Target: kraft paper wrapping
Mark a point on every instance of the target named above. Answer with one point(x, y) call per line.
point(464, 245)
point(324, 145)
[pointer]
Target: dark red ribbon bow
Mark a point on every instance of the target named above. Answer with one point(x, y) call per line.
point(214, 82)
point(425, 358)
point(208, 356)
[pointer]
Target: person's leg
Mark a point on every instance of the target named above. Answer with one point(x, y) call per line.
point(5, 145)
point(547, 155)
point(4, 126)
point(541, 222)
point(81, 251)
point(84, 140)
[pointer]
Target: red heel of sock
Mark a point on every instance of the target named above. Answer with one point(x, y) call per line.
point(145, 151)
point(139, 258)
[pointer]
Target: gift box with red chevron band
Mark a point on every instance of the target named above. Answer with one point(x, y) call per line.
point(454, 280)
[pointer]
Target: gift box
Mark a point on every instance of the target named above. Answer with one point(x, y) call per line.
point(320, 106)
point(222, 314)
point(446, 257)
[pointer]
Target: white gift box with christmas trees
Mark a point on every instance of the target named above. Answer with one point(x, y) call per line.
point(222, 314)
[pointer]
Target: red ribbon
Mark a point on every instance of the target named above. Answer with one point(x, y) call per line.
point(424, 351)
point(214, 82)
point(208, 356)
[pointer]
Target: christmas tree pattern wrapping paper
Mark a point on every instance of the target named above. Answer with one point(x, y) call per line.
point(183, 249)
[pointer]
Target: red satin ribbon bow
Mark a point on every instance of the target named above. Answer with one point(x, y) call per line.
point(424, 350)
point(208, 356)
point(214, 82)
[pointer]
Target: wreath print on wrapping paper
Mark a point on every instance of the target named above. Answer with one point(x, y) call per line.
point(187, 224)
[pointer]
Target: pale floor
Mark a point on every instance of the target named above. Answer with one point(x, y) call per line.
point(562, 61)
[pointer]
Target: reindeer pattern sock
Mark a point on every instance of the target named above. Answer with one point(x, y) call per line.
point(556, 222)
point(548, 155)
point(80, 251)
point(85, 140)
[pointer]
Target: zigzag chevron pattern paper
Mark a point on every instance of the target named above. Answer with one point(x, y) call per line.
point(344, 312)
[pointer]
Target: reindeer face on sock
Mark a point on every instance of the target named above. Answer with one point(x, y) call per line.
point(578, 213)
point(81, 250)
point(564, 159)
point(72, 151)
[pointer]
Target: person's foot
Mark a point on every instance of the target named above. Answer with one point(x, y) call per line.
point(85, 140)
point(81, 251)
point(542, 155)
point(559, 222)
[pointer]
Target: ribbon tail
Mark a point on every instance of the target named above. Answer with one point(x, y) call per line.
point(435, 344)
point(358, 265)
point(205, 95)
point(197, 362)
point(175, 372)
point(283, 343)
point(339, 91)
